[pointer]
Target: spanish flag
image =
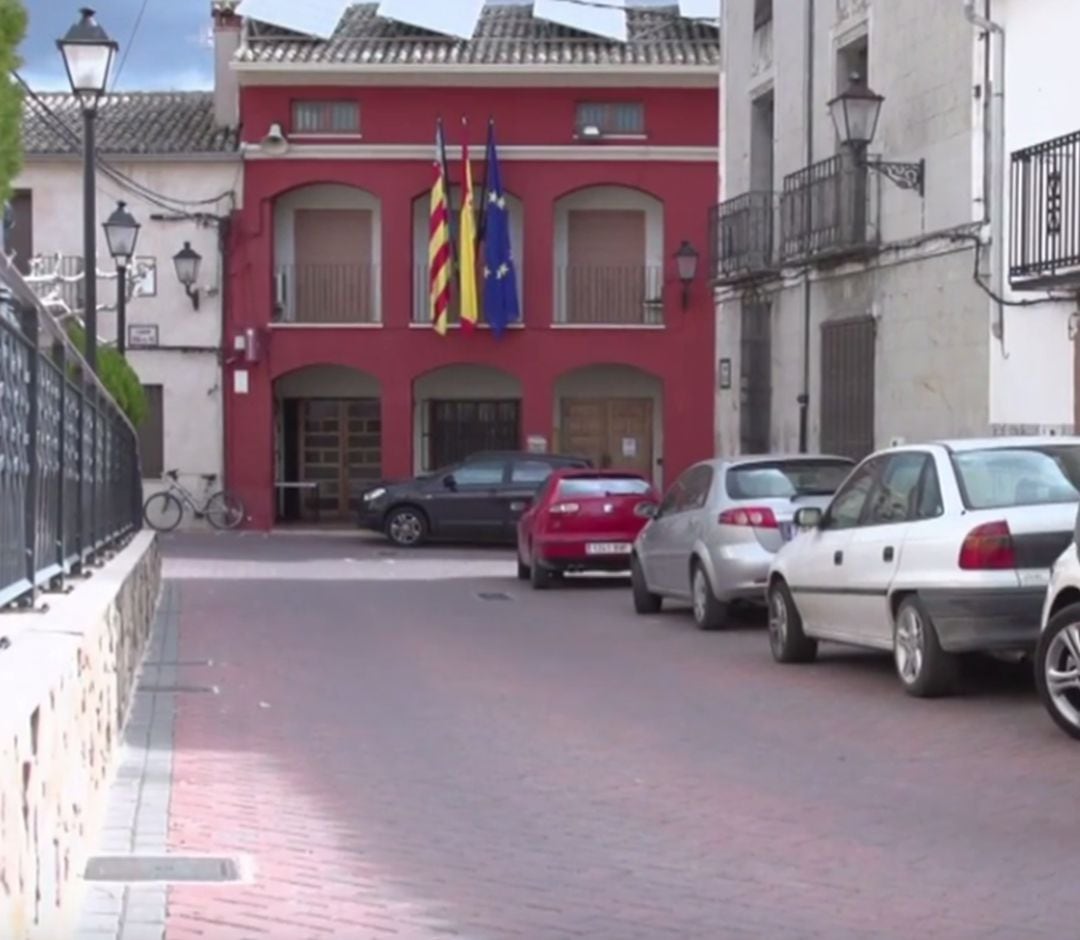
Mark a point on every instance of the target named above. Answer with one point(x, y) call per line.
point(470, 302)
point(440, 259)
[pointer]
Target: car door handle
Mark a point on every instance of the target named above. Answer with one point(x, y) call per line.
point(887, 554)
point(838, 558)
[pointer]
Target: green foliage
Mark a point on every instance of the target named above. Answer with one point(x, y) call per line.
point(117, 376)
point(12, 30)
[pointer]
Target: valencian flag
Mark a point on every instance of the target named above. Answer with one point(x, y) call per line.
point(500, 281)
point(470, 302)
point(440, 253)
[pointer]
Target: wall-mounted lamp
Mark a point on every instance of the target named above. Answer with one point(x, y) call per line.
point(187, 261)
point(686, 262)
point(855, 113)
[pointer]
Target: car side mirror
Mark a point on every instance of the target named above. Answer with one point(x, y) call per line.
point(449, 482)
point(809, 517)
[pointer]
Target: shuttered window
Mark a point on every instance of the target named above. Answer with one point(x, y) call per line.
point(612, 118)
point(847, 387)
point(326, 117)
point(152, 434)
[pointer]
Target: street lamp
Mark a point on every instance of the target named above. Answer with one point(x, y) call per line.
point(187, 261)
point(121, 233)
point(88, 54)
point(686, 262)
point(855, 112)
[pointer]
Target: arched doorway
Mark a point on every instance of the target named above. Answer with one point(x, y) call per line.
point(327, 443)
point(462, 409)
point(614, 415)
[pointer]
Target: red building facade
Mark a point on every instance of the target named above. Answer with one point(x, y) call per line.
point(608, 153)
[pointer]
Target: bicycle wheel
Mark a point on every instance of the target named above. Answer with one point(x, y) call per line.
point(224, 511)
point(163, 512)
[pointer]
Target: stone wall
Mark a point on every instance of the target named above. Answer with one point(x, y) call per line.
point(66, 682)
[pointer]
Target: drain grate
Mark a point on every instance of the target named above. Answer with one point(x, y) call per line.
point(178, 689)
point(212, 869)
point(494, 596)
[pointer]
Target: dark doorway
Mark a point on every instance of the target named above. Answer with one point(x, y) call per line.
point(847, 387)
point(456, 429)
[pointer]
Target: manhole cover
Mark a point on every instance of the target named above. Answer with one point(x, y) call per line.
point(178, 689)
point(494, 596)
point(179, 868)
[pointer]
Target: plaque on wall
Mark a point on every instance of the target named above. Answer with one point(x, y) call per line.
point(142, 335)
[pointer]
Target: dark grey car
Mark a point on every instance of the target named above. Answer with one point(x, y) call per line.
point(478, 500)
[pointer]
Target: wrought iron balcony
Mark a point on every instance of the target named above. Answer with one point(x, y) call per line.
point(326, 294)
point(624, 295)
point(1044, 232)
point(828, 211)
point(741, 237)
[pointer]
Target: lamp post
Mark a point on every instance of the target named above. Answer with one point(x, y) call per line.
point(686, 262)
point(88, 54)
point(187, 261)
point(855, 113)
point(121, 233)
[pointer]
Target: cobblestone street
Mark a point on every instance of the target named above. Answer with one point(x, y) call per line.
point(419, 746)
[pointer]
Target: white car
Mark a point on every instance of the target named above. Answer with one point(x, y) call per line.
point(1057, 658)
point(929, 551)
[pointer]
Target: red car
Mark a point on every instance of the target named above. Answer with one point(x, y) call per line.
point(583, 520)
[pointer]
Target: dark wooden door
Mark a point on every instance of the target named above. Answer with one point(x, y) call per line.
point(341, 450)
point(847, 387)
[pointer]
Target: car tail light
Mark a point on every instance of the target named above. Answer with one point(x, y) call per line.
point(988, 547)
point(565, 509)
point(757, 517)
point(645, 509)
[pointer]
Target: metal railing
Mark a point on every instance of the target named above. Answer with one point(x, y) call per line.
point(625, 295)
point(70, 480)
point(827, 210)
point(1044, 229)
point(741, 237)
point(326, 293)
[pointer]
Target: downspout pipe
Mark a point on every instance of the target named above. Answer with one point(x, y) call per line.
point(808, 293)
point(995, 159)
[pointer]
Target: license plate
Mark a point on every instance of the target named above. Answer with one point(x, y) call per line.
point(787, 531)
point(608, 548)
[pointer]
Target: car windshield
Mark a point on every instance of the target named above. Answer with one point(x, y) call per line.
point(585, 487)
point(787, 479)
point(1018, 476)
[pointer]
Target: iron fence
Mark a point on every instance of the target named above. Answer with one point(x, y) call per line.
point(615, 295)
point(70, 480)
point(1044, 230)
point(827, 210)
point(741, 237)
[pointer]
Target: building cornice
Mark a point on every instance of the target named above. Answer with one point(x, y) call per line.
point(502, 76)
point(588, 153)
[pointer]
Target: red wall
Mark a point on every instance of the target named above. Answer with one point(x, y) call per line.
point(396, 354)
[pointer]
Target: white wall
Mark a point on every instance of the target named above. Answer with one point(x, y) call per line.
point(186, 362)
point(1032, 370)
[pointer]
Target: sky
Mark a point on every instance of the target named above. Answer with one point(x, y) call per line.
point(169, 47)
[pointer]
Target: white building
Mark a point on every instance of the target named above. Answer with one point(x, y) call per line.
point(854, 311)
point(179, 174)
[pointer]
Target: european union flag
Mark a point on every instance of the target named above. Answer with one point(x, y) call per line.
point(500, 281)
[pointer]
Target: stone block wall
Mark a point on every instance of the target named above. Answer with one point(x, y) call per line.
point(66, 683)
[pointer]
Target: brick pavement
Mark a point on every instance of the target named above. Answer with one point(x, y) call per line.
point(403, 759)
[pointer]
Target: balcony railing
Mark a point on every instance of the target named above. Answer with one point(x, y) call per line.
point(631, 295)
point(326, 294)
point(741, 237)
point(1044, 236)
point(827, 211)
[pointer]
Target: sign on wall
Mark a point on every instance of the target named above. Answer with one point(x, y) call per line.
point(142, 335)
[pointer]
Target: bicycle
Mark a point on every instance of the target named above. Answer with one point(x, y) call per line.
point(164, 511)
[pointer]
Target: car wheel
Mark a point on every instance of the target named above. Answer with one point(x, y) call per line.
point(1057, 669)
point(924, 668)
point(539, 576)
point(787, 640)
point(645, 602)
point(407, 527)
point(523, 570)
point(709, 613)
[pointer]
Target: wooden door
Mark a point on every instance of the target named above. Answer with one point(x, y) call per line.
point(605, 280)
point(341, 450)
point(334, 277)
point(612, 432)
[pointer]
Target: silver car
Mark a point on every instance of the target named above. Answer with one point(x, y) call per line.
point(714, 536)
